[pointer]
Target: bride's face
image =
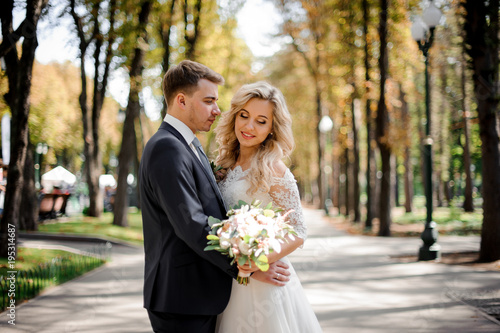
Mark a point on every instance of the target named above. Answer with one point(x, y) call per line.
point(254, 122)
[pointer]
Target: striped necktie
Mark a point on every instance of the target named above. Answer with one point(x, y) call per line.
point(201, 153)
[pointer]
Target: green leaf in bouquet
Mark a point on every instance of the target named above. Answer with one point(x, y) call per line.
point(242, 260)
point(212, 237)
point(269, 206)
point(262, 263)
point(269, 213)
point(247, 239)
point(211, 247)
point(212, 220)
point(240, 204)
point(215, 167)
point(256, 203)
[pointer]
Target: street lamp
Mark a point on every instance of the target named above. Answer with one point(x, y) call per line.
point(41, 149)
point(422, 31)
point(325, 126)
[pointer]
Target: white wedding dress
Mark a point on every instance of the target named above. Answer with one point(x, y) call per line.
point(260, 307)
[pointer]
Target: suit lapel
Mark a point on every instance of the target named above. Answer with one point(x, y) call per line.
point(166, 126)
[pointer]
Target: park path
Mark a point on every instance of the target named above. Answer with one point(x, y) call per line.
point(351, 282)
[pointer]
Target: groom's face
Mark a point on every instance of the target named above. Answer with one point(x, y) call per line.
point(201, 106)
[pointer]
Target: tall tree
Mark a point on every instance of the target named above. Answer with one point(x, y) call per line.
point(165, 29)
point(192, 16)
point(128, 148)
point(382, 122)
point(481, 27)
point(370, 155)
point(468, 199)
point(90, 29)
point(307, 46)
point(19, 72)
point(408, 173)
point(354, 158)
point(28, 216)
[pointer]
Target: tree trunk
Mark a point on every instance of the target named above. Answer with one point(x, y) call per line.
point(347, 183)
point(408, 181)
point(19, 72)
point(165, 29)
point(356, 200)
point(468, 199)
point(28, 219)
point(382, 130)
point(370, 156)
point(395, 180)
point(442, 125)
point(321, 149)
point(92, 153)
point(343, 184)
point(126, 156)
point(192, 37)
point(408, 173)
point(481, 26)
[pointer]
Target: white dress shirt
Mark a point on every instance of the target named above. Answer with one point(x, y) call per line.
point(183, 129)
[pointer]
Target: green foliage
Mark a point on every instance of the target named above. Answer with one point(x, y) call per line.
point(450, 220)
point(102, 226)
point(37, 269)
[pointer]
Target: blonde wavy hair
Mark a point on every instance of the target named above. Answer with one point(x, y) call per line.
point(277, 145)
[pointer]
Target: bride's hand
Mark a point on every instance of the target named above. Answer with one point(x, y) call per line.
point(277, 274)
point(248, 268)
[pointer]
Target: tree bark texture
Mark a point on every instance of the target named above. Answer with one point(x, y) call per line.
point(382, 121)
point(468, 199)
point(408, 173)
point(28, 219)
point(191, 35)
point(370, 159)
point(356, 199)
point(91, 114)
point(126, 155)
point(481, 26)
point(19, 72)
point(164, 30)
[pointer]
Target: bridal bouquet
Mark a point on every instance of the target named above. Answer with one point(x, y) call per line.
point(249, 234)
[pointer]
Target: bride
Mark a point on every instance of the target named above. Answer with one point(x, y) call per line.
point(254, 137)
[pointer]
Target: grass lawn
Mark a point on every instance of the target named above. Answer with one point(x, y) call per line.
point(28, 258)
point(102, 226)
point(450, 220)
point(36, 269)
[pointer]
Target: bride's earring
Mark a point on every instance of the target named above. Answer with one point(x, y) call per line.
point(269, 136)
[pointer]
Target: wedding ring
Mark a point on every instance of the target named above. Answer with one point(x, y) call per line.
point(277, 276)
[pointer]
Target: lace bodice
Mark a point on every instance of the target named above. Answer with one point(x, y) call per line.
point(283, 193)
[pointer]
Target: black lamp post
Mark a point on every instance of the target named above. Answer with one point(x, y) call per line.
point(422, 31)
point(325, 126)
point(41, 149)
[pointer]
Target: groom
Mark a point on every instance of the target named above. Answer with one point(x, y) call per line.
point(185, 288)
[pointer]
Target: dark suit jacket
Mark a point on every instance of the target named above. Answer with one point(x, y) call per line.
point(177, 196)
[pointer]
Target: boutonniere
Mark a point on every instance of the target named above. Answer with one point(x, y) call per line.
point(218, 171)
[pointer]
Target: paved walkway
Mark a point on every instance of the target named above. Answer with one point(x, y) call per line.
point(350, 281)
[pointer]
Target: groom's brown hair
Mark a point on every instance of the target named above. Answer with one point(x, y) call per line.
point(184, 78)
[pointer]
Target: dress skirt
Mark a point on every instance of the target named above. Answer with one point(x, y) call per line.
point(263, 308)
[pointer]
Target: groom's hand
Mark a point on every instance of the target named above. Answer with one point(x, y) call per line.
point(277, 274)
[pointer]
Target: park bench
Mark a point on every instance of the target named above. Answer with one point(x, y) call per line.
point(52, 205)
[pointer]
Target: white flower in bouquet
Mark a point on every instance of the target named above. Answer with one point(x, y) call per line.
point(249, 234)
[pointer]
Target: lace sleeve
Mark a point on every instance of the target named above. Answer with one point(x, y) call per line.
point(285, 194)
